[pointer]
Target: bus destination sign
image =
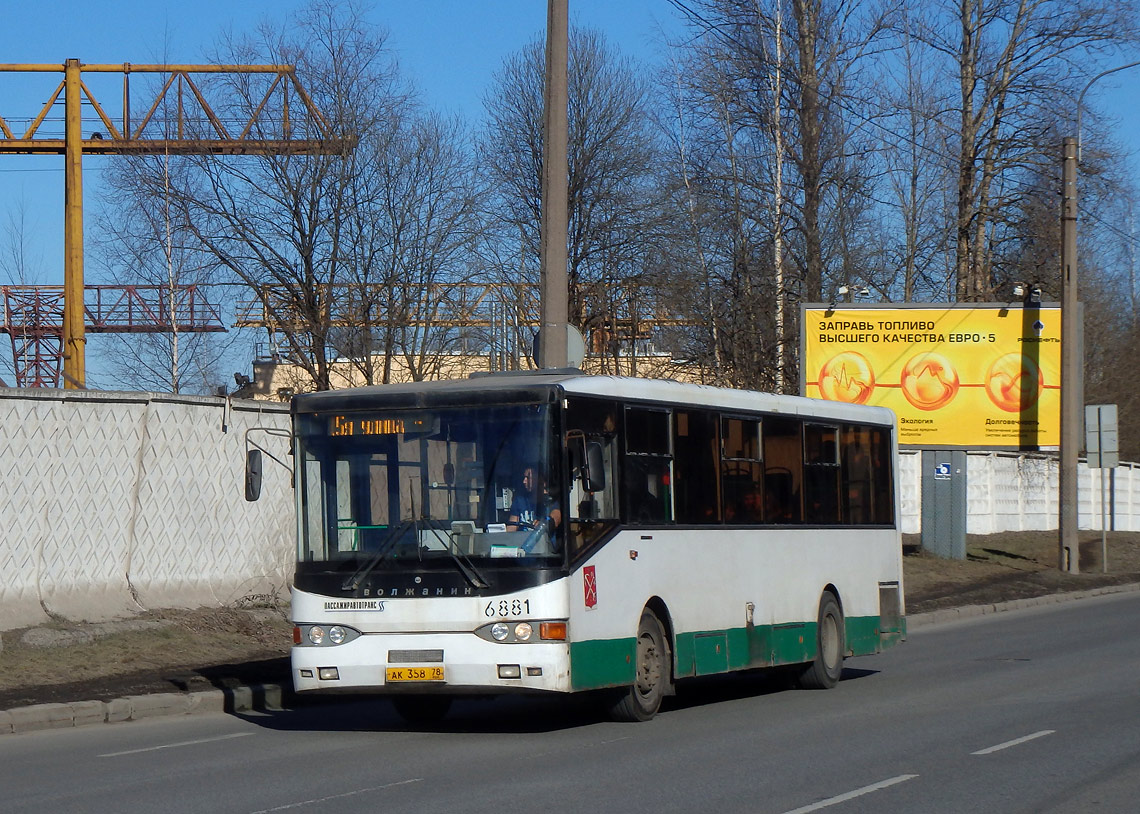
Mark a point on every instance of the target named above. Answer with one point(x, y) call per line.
point(362, 424)
point(345, 425)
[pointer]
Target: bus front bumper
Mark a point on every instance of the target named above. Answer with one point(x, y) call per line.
point(459, 663)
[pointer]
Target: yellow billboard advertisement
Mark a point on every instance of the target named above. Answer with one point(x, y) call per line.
point(974, 376)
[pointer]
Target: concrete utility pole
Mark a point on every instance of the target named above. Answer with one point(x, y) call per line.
point(1072, 371)
point(552, 349)
point(1069, 549)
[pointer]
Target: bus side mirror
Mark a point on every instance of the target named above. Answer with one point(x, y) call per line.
point(594, 473)
point(252, 474)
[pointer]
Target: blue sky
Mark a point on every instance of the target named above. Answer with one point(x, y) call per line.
point(450, 48)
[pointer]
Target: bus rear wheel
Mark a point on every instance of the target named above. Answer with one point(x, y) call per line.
point(422, 709)
point(641, 700)
point(823, 673)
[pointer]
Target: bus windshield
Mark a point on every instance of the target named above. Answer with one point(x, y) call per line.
point(464, 488)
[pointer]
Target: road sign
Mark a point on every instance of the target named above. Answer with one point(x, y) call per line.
point(1101, 436)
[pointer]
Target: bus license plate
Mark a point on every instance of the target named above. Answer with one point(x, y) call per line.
point(413, 674)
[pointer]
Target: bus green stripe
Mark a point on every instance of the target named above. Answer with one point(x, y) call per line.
point(602, 663)
point(610, 662)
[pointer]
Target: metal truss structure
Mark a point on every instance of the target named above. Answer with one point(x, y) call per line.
point(198, 109)
point(33, 319)
point(498, 316)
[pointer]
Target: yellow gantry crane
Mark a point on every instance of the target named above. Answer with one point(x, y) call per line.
point(193, 128)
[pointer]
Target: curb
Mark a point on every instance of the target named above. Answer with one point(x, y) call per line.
point(941, 617)
point(270, 697)
point(257, 697)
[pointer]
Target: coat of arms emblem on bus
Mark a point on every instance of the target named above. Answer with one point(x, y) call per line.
point(590, 585)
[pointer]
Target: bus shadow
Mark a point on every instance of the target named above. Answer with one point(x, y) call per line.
point(501, 714)
point(513, 714)
point(707, 690)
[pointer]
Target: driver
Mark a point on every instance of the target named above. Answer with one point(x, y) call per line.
point(532, 504)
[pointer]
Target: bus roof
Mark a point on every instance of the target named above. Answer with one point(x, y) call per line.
point(550, 385)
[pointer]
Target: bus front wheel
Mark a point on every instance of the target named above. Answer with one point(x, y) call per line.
point(641, 700)
point(823, 673)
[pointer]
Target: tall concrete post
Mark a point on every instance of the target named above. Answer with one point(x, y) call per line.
point(555, 219)
point(1069, 548)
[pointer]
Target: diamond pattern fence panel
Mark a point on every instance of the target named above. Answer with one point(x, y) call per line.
point(114, 502)
point(196, 540)
point(910, 491)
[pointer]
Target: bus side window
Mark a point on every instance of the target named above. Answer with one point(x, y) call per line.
point(821, 473)
point(882, 486)
point(741, 467)
point(647, 467)
point(695, 469)
point(783, 470)
point(855, 466)
point(591, 446)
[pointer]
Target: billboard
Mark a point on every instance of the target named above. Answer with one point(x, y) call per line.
point(977, 376)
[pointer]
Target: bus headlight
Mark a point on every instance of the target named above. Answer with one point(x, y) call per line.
point(319, 636)
point(523, 632)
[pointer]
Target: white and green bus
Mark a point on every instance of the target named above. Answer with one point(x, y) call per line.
point(555, 532)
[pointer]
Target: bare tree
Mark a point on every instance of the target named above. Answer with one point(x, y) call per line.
point(141, 241)
point(283, 224)
point(1012, 61)
point(720, 180)
point(412, 228)
point(779, 74)
point(614, 204)
point(917, 252)
point(19, 262)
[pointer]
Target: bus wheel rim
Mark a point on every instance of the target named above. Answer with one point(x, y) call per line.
point(829, 641)
point(648, 665)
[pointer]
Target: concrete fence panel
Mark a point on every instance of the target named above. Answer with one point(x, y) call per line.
point(112, 502)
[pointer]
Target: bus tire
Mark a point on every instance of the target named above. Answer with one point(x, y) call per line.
point(641, 700)
point(422, 709)
point(824, 671)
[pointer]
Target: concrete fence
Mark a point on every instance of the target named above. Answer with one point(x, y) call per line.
point(112, 503)
point(1009, 491)
point(115, 502)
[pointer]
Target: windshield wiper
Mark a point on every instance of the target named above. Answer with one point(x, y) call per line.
point(386, 546)
point(465, 566)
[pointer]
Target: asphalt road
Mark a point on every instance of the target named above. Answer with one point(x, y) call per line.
point(1029, 711)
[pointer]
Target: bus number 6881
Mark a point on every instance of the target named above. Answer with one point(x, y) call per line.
point(504, 607)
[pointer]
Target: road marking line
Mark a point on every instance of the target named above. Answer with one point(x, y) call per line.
point(337, 796)
point(842, 798)
point(1016, 742)
point(176, 745)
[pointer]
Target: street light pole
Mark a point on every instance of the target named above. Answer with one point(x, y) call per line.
point(1072, 372)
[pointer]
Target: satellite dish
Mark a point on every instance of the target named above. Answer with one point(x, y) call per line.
point(575, 346)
